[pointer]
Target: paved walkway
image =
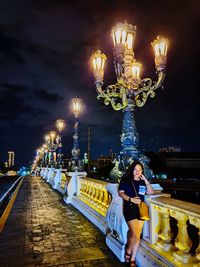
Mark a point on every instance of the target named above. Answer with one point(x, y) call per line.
point(43, 231)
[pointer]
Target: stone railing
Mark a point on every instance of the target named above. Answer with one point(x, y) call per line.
point(170, 238)
point(175, 230)
point(94, 194)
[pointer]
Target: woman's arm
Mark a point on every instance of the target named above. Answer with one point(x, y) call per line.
point(150, 190)
point(135, 200)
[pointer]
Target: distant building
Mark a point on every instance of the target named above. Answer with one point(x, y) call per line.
point(186, 163)
point(111, 154)
point(85, 159)
point(103, 161)
point(11, 159)
point(170, 149)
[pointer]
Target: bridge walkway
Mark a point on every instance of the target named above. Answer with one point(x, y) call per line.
point(42, 230)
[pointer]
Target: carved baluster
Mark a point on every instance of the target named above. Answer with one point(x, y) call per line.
point(83, 188)
point(104, 200)
point(105, 197)
point(165, 233)
point(182, 242)
point(90, 191)
point(93, 192)
point(100, 198)
point(198, 249)
point(96, 195)
point(196, 222)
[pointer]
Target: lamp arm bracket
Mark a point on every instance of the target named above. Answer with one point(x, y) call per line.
point(148, 89)
point(161, 77)
point(147, 83)
point(140, 99)
point(114, 95)
point(99, 86)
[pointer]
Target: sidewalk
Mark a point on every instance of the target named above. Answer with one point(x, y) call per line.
point(43, 231)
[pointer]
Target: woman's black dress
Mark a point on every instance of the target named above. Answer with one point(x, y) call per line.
point(131, 210)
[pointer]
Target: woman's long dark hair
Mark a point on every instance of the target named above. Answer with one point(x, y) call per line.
point(129, 174)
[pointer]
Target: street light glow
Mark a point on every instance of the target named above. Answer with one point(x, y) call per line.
point(98, 60)
point(52, 135)
point(47, 138)
point(124, 34)
point(136, 69)
point(60, 124)
point(160, 46)
point(76, 106)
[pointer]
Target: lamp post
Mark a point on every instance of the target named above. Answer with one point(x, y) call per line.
point(51, 145)
point(60, 125)
point(130, 90)
point(39, 156)
point(76, 108)
point(47, 150)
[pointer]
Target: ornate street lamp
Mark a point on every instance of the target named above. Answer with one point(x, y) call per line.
point(130, 89)
point(45, 154)
point(47, 151)
point(53, 147)
point(39, 156)
point(76, 109)
point(51, 143)
point(60, 125)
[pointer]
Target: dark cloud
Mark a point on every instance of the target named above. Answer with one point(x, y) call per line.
point(9, 48)
point(12, 105)
point(49, 97)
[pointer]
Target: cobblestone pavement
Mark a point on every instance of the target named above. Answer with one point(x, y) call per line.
point(43, 231)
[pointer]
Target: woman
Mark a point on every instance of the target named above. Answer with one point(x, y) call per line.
point(134, 180)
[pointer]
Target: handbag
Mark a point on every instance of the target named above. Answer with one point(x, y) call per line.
point(143, 208)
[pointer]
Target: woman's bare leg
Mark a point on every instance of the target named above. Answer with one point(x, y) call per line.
point(135, 229)
point(128, 249)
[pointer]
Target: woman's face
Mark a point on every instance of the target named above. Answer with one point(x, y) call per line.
point(137, 172)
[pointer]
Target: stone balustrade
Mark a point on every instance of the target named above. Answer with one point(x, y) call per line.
point(170, 238)
point(94, 194)
point(175, 229)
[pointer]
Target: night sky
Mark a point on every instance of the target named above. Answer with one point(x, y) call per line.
point(45, 47)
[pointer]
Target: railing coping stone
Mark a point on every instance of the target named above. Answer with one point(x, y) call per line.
point(185, 207)
point(95, 180)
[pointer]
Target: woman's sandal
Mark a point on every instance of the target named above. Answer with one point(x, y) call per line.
point(127, 257)
point(132, 264)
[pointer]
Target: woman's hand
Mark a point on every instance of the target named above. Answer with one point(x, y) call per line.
point(150, 190)
point(142, 177)
point(136, 200)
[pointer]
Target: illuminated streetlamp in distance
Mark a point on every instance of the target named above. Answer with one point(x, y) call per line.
point(60, 125)
point(50, 139)
point(77, 105)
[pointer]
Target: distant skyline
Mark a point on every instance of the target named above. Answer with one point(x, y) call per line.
point(44, 62)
